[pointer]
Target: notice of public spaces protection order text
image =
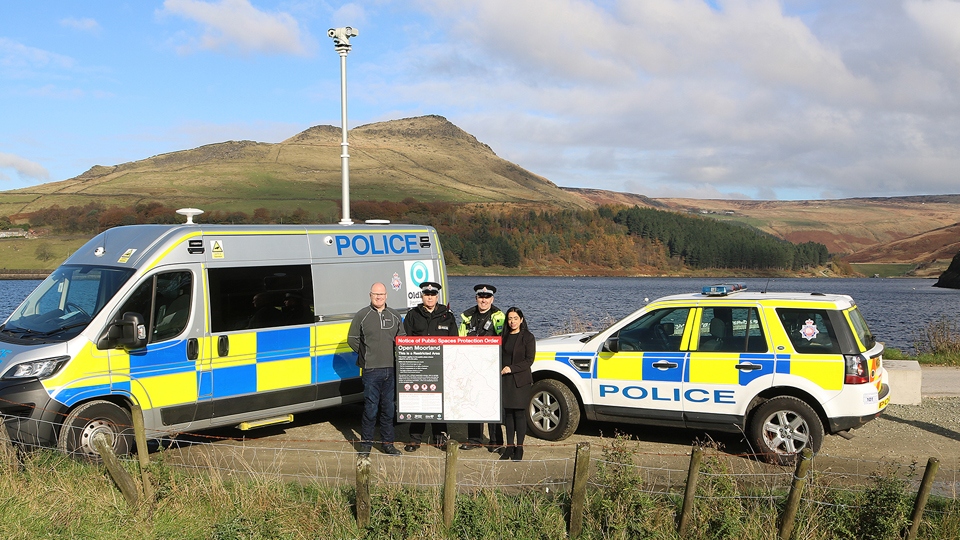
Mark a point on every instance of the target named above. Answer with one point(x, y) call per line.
point(448, 378)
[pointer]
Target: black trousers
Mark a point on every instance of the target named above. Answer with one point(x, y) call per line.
point(417, 429)
point(475, 433)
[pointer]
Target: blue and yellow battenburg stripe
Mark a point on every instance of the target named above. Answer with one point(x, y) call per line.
point(698, 368)
point(161, 375)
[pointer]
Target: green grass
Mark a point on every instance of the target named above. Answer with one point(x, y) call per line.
point(52, 496)
point(44, 253)
point(883, 270)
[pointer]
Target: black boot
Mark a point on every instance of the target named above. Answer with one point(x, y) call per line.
point(517, 453)
point(507, 453)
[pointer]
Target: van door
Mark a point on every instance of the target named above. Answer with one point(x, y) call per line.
point(730, 364)
point(163, 375)
point(261, 320)
point(641, 374)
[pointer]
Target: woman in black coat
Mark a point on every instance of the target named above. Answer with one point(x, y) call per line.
point(518, 349)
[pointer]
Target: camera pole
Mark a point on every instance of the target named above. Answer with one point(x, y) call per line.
point(341, 44)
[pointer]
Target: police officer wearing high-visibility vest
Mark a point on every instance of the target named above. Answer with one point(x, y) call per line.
point(484, 319)
point(430, 318)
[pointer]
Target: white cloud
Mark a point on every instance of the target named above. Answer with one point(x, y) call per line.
point(23, 167)
point(747, 98)
point(85, 24)
point(237, 26)
point(16, 56)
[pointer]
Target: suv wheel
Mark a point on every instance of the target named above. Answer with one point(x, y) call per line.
point(782, 427)
point(554, 412)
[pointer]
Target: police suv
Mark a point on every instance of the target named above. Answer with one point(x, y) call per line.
point(783, 368)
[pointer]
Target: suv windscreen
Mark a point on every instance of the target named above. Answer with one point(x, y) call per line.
point(64, 303)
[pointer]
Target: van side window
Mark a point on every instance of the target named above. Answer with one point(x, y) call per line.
point(171, 305)
point(164, 301)
point(254, 297)
point(731, 329)
point(810, 330)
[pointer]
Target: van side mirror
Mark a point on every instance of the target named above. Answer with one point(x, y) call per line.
point(128, 332)
point(612, 344)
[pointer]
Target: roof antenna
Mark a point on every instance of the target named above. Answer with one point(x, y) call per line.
point(190, 212)
point(764, 291)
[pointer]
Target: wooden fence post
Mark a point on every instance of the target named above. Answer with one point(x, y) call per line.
point(8, 453)
point(578, 492)
point(363, 491)
point(690, 492)
point(143, 455)
point(789, 517)
point(120, 476)
point(450, 484)
point(922, 495)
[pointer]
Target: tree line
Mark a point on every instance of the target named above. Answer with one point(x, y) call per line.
point(613, 237)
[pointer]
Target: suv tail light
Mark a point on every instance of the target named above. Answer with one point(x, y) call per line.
point(857, 369)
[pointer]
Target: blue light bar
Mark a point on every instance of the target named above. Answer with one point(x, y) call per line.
point(723, 289)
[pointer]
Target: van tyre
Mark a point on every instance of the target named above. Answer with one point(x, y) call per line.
point(782, 427)
point(90, 419)
point(554, 412)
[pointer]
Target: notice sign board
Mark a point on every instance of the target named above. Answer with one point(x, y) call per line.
point(448, 378)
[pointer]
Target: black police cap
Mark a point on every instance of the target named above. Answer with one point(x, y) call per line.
point(485, 289)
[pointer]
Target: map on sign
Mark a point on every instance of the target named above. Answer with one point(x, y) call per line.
point(446, 378)
point(471, 382)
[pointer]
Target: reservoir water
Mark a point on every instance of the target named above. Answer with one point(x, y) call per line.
point(898, 310)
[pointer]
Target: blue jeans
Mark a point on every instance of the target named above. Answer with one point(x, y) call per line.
point(379, 395)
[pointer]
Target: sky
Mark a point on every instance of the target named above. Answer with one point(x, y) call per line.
point(728, 99)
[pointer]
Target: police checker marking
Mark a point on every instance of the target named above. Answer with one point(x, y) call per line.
point(725, 359)
point(244, 333)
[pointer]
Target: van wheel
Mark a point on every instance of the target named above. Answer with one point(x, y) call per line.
point(554, 413)
point(90, 419)
point(782, 427)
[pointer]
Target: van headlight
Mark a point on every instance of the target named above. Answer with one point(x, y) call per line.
point(36, 369)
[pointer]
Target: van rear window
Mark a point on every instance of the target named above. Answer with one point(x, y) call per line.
point(260, 297)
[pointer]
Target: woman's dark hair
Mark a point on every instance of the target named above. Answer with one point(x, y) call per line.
point(523, 320)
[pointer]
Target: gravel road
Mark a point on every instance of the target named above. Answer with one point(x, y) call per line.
point(316, 447)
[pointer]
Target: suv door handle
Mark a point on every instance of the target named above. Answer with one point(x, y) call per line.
point(663, 364)
point(748, 367)
point(223, 346)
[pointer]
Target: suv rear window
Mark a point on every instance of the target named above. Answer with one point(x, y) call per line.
point(860, 327)
point(810, 330)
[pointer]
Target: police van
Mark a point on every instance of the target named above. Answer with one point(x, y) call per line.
point(200, 326)
point(783, 368)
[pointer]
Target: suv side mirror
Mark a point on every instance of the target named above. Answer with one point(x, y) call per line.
point(128, 332)
point(612, 344)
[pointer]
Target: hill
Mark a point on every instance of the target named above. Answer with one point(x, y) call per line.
point(913, 230)
point(426, 157)
point(430, 159)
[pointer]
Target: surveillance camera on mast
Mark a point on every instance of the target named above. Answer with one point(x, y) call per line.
point(341, 36)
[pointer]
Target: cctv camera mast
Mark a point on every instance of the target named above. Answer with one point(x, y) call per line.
point(341, 44)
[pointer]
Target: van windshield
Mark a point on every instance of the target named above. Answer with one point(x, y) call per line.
point(64, 303)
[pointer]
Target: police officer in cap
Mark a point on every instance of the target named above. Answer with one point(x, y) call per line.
point(430, 318)
point(484, 319)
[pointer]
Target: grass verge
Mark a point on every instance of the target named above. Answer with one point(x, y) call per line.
point(52, 496)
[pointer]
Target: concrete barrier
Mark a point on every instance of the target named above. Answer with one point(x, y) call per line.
point(905, 381)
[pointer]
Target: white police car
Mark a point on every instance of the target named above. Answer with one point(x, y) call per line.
point(784, 368)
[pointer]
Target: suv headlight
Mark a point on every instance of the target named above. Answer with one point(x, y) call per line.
point(36, 369)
